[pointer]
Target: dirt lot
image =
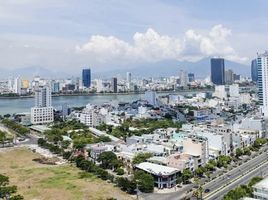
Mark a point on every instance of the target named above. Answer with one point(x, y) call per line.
point(43, 182)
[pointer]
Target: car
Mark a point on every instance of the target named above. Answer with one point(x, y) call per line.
point(207, 190)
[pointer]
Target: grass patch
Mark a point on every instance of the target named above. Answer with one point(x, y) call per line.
point(46, 182)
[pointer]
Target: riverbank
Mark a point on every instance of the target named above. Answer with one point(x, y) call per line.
point(110, 93)
point(21, 105)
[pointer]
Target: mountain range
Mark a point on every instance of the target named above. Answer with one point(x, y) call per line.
point(200, 68)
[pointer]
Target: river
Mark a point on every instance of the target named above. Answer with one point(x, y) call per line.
point(18, 105)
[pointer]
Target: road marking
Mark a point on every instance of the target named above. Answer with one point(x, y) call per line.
point(234, 181)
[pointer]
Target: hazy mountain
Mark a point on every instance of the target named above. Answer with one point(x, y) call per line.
point(29, 72)
point(163, 68)
point(172, 67)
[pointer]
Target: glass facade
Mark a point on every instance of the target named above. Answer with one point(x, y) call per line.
point(217, 71)
point(86, 77)
point(254, 70)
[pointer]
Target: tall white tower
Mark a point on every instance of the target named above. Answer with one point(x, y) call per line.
point(262, 64)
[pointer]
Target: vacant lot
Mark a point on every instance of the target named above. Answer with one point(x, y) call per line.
point(43, 182)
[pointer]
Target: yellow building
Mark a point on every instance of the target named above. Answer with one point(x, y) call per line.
point(25, 84)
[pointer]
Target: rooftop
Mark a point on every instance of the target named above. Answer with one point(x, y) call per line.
point(157, 169)
point(40, 128)
point(262, 184)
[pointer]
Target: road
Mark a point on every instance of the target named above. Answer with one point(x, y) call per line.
point(225, 179)
point(244, 179)
point(233, 174)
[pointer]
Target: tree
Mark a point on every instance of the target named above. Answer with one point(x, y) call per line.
point(209, 167)
point(247, 151)
point(254, 181)
point(141, 157)
point(7, 191)
point(186, 175)
point(259, 142)
point(238, 152)
point(120, 171)
point(200, 171)
point(126, 185)
point(108, 160)
point(145, 182)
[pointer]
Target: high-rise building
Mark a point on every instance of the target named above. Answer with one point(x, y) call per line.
point(17, 85)
point(183, 78)
point(55, 86)
point(217, 71)
point(191, 77)
point(25, 84)
point(128, 77)
point(262, 63)
point(77, 83)
point(254, 70)
point(151, 97)
point(42, 112)
point(99, 85)
point(114, 84)
point(229, 76)
point(86, 77)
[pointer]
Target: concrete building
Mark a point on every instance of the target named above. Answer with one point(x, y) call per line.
point(183, 78)
point(151, 97)
point(260, 190)
point(220, 92)
point(42, 112)
point(17, 86)
point(197, 146)
point(229, 76)
point(234, 90)
point(164, 177)
point(262, 62)
point(91, 116)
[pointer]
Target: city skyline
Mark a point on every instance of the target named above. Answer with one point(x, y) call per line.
point(70, 36)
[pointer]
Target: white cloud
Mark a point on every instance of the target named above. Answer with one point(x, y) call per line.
point(151, 47)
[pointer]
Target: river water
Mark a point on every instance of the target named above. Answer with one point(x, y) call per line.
point(10, 106)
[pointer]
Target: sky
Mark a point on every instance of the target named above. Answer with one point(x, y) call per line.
point(67, 35)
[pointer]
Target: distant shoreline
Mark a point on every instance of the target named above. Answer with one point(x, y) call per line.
point(107, 94)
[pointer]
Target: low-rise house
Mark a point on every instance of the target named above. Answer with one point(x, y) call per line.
point(97, 149)
point(260, 190)
point(164, 177)
point(197, 146)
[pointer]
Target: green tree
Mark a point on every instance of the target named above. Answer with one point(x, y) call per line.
point(200, 171)
point(247, 151)
point(108, 160)
point(141, 157)
point(238, 152)
point(7, 191)
point(145, 182)
point(186, 175)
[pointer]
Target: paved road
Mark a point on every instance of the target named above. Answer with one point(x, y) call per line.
point(236, 172)
point(259, 171)
point(215, 184)
point(179, 194)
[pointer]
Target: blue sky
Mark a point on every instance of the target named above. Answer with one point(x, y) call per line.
point(69, 34)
